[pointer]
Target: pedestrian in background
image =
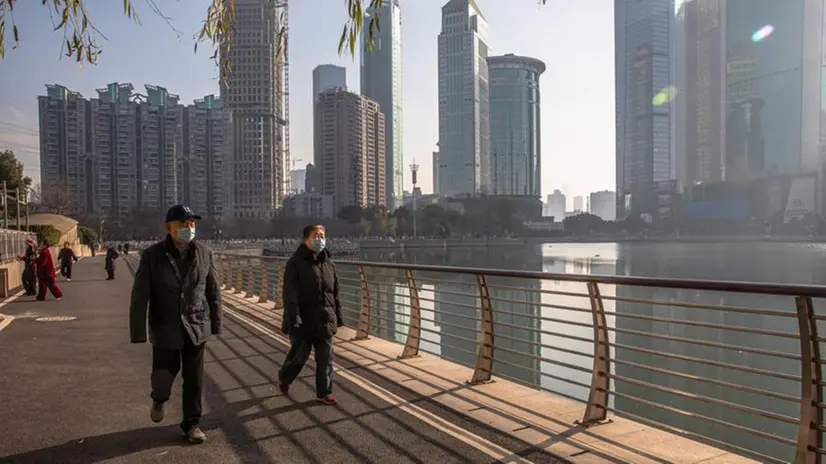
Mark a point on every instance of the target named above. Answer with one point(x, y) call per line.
point(46, 274)
point(111, 256)
point(29, 259)
point(177, 283)
point(67, 258)
point(312, 312)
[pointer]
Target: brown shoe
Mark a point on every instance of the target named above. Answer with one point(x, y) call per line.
point(195, 435)
point(156, 412)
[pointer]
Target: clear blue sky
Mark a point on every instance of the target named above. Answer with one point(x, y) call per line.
point(573, 37)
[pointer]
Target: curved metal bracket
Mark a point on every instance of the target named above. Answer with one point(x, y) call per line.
point(238, 287)
point(484, 354)
point(414, 330)
point(597, 408)
point(279, 286)
point(363, 330)
point(250, 279)
point(809, 437)
point(264, 270)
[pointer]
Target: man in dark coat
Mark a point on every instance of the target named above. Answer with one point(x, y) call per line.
point(29, 259)
point(111, 256)
point(66, 257)
point(178, 283)
point(312, 312)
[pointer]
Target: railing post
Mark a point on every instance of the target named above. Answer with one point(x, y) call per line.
point(265, 280)
point(597, 408)
point(239, 277)
point(279, 286)
point(363, 330)
point(251, 279)
point(484, 353)
point(809, 437)
point(414, 330)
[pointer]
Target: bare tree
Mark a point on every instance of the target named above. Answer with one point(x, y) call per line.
point(55, 199)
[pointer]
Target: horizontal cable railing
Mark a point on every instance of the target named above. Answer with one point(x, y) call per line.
point(733, 364)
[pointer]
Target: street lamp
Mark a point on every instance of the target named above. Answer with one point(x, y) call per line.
point(414, 169)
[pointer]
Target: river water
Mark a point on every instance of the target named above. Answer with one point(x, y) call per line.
point(535, 323)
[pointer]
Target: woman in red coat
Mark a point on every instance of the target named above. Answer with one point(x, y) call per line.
point(46, 274)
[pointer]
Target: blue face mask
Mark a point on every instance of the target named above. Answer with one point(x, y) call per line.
point(317, 244)
point(186, 234)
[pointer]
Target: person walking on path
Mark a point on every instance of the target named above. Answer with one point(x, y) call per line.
point(29, 259)
point(111, 256)
point(177, 282)
point(66, 257)
point(46, 274)
point(312, 312)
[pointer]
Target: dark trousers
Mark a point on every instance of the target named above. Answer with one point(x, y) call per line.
point(110, 273)
point(165, 366)
point(44, 282)
point(66, 270)
point(29, 282)
point(299, 354)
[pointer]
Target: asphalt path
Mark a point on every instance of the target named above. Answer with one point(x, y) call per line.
point(76, 391)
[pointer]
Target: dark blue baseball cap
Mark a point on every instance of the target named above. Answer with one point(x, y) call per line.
point(181, 213)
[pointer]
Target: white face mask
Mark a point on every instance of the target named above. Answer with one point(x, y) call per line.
point(186, 234)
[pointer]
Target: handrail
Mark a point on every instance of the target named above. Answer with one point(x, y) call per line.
point(730, 286)
point(379, 302)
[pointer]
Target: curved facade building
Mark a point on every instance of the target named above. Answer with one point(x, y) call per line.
point(515, 132)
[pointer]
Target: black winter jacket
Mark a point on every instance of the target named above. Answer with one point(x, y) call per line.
point(178, 305)
point(311, 297)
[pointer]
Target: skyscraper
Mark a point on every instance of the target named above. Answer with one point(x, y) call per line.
point(349, 156)
point(464, 101)
point(381, 80)
point(515, 130)
point(643, 102)
point(327, 76)
point(257, 92)
point(436, 172)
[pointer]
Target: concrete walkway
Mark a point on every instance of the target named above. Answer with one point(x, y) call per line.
point(76, 391)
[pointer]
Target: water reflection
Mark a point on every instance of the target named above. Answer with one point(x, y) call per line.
point(654, 359)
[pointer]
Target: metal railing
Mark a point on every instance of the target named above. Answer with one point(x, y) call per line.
point(13, 244)
point(733, 364)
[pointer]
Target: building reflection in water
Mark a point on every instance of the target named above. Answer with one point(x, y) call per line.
point(450, 304)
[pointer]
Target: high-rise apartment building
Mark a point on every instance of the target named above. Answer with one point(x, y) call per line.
point(579, 203)
point(381, 80)
point(66, 153)
point(204, 167)
point(645, 152)
point(114, 121)
point(557, 205)
point(123, 153)
point(157, 148)
point(257, 92)
point(349, 156)
point(464, 101)
point(603, 204)
point(515, 130)
point(311, 177)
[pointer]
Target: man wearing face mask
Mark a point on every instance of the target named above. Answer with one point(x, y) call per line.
point(312, 313)
point(177, 283)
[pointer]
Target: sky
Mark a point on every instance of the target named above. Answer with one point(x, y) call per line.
point(575, 39)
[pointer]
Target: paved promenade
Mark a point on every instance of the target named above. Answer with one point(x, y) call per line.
point(76, 391)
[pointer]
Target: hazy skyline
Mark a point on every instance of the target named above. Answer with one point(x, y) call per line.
point(574, 40)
